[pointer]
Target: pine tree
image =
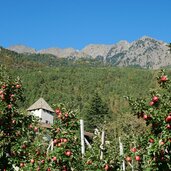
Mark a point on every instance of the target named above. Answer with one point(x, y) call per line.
point(97, 113)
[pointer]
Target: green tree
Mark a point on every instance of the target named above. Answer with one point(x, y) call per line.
point(97, 113)
point(15, 135)
point(152, 150)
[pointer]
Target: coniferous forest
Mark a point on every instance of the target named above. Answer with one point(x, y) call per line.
point(76, 83)
point(97, 92)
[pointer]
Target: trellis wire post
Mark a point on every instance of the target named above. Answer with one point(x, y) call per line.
point(82, 137)
point(87, 143)
point(121, 154)
point(102, 145)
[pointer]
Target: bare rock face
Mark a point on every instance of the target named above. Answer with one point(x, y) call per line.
point(145, 52)
point(97, 50)
point(58, 52)
point(22, 49)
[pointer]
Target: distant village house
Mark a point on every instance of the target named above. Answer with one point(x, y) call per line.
point(42, 110)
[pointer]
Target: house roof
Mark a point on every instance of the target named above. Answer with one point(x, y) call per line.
point(40, 104)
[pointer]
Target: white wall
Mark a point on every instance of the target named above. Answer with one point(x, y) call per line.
point(44, 115)
point(47, 116)
point(37, 112)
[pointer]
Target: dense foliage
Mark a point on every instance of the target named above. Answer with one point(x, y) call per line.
point(153, 149)
point(75, 86)
point(15, 135)
point(97, 113)
point(25, 146)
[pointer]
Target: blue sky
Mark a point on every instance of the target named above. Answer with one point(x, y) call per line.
point(76, 23)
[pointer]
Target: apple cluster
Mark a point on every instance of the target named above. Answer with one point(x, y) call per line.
point(155, 142)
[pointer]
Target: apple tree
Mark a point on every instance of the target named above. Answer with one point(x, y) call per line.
point(15, 135)
point(152, 150)
point(63, 153)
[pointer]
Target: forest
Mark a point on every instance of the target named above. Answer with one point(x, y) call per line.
point(75, 83)
point(104, 96)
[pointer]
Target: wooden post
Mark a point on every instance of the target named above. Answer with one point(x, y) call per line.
point(82, 137)
point(102, 145)
point(87, 143)
point(132, 166)
point(121, 154)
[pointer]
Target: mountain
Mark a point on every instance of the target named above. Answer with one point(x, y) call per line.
point(21, 49)
point(94, 50)
point(145, 52)
point(58, 52)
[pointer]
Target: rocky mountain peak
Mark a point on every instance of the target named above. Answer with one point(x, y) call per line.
point(145, 52)
point(22, 49)
point(95, 50)
point(58, 52)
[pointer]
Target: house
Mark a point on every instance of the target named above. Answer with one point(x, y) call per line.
point(42, 110)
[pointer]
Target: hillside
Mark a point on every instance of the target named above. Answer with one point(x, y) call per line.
point(75, 83)
point(145, 52)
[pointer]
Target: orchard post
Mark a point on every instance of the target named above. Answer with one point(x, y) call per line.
point(121, 154)
point(82, 137)
point(102, 145)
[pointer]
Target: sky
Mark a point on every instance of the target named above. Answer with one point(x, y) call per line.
point(76, 23)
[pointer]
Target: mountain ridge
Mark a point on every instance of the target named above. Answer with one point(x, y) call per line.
point(145, 52)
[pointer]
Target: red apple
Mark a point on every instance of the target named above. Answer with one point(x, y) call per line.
point(18, 86)
point(55, 141)
point(59, 116)
point(61, 140)
point(36, 129)
point(133, 149)
point(59, 145)
point(2, 96)
point(12, 95)
point(21, 164)
point(32, 161)
point(43, 161)
point(155, 99)
point(48, 169)
point(9, 106)
point(54, 158)
point(65, 140)
point(137, 158)
point(68, 153)
point(168, 126)
point(163, 78)
point(58, 111)
point(38, 169)
point(161, 142)
point(1, 92)
point(13, 121)
point(151, 140)
point(23, 146)
point(145, 117)
point(128, 159)
point(66, 115)
point(168, 119)
point(151, 103)
point(3, 86)
point(30, 126)
point(106, 167)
